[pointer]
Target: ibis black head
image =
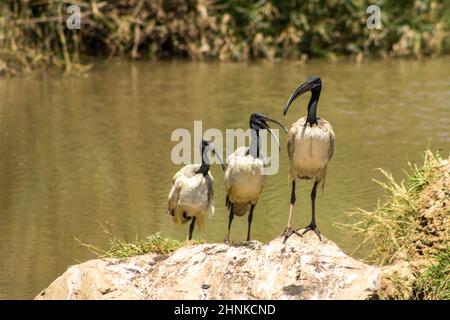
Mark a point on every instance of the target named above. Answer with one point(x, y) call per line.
point(258, 121)
point(313, 84)
point(206, 146)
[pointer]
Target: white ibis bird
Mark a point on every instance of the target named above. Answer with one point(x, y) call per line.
point(244, 176)
point(192, 191)
point(310, 146)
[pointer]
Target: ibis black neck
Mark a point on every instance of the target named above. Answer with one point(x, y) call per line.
point(255, 144)
point(204, 167)
point(312, 106)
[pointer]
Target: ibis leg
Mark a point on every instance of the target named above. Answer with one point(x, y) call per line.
point(191, 228)
point(291, 206)
point(230, 220)
point(289, 231)
point(250, 218)
point(312, 226)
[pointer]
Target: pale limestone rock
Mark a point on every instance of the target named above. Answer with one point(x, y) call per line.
point(303, 268)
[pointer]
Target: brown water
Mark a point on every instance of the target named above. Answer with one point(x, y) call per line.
point(77, 150)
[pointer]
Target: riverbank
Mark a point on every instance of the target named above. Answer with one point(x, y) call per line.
point(408, 234)
point(34, 34)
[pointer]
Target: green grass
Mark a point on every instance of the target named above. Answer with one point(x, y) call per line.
point(434, 283)
point(412, 224)
point(121, 248)
point(421, 176)
point(396, 228)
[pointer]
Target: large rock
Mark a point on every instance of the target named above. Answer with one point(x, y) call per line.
point(303, 268)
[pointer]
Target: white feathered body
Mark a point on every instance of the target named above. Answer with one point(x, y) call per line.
point(309, 149)
point(191, 195)
point(244, 180)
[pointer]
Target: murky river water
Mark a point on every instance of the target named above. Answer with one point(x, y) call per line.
point(77, 150)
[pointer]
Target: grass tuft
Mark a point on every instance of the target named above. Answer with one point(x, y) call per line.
point(412, 224)
point(413, 220)
point(121, 248)
point(434, 283)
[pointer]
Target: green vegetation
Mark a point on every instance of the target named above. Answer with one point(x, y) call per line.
point(121, 248)
point(33, 33)
point(434, 283)
point(412, 225)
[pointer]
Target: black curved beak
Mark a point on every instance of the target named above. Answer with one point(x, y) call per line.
point(304, 87)
point(266, 126)
point(222, 164)
point(213, 151)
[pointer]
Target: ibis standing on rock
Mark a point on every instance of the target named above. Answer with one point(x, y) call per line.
point(244, 176)
point(192, 191)
point(310, 146)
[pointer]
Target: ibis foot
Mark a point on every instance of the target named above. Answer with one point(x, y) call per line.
point(312, 227)
point(227, 241)
point(288, 232)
